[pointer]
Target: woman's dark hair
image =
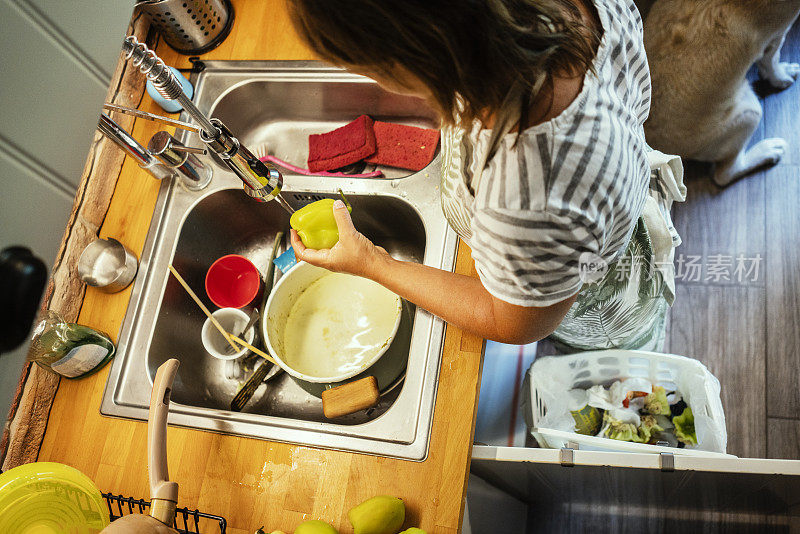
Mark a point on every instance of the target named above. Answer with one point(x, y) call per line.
point(472, 49)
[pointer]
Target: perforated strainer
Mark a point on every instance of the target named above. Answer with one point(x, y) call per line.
point(190, 26)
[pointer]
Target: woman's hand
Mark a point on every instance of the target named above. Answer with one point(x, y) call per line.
point(353, 253)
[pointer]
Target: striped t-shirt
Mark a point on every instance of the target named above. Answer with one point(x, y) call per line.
point(575, 184)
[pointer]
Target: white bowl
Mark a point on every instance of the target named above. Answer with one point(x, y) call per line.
point(276, 314)
point(232, 320)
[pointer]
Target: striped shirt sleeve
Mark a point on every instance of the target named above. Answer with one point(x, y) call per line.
point(530, 258)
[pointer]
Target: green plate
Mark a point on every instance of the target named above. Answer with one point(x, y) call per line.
point(50, 498)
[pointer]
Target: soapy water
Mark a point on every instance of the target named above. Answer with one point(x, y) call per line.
point(338, 324)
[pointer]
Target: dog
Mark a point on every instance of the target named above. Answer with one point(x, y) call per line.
point(703, 107)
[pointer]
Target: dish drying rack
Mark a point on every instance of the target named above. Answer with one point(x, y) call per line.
point(191, 520)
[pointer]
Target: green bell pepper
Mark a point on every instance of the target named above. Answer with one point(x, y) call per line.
point(316, 225)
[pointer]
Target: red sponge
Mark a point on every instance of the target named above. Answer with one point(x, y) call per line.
point(406, 147)
point(350, 143)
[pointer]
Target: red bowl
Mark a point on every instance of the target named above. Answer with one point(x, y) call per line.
point(232, 281)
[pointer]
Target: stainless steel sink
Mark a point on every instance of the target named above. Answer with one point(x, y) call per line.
point(276, 105)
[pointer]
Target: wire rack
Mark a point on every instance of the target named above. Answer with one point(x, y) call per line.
point(186, 521)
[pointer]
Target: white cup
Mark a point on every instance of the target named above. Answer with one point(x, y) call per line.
point(233, 320)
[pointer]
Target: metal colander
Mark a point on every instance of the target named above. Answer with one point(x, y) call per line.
point(190, 26)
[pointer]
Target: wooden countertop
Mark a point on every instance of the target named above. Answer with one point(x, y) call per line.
point(248, 481)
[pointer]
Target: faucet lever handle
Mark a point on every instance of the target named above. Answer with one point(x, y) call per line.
point(152, 117)
point(190, 149)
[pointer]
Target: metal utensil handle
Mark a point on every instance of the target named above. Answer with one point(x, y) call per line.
point(163, 493)
point(254, 315)
point(246, 393)
point(269, 274)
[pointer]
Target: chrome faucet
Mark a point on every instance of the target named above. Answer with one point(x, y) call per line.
point(126, 142)
point(261, 182)
point(178, 161)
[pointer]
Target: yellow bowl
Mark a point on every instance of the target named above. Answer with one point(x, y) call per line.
point(50, 498)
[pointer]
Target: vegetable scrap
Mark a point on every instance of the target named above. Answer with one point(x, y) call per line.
point(634, 410)
point(684, 427)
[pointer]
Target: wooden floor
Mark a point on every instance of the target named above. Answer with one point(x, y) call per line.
point(740, 315)
point(747, 329)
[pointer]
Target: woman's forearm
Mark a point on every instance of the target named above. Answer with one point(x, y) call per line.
point(460, 300)
point(463, 301)
point(454, 297)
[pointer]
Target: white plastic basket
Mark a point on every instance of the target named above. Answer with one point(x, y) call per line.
point(586, 369)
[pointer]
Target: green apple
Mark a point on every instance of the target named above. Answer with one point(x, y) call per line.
point(315, 527)
point(379, 515)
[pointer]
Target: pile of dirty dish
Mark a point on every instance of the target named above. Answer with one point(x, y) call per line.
point(322, 328)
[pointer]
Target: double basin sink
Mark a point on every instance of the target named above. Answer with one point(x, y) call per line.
point(274, 106)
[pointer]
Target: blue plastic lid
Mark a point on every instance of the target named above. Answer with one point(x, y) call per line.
point(285, 261)
point(171, 106)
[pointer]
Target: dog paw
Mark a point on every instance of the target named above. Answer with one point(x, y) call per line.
point(767, 152)
point(783, 75)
